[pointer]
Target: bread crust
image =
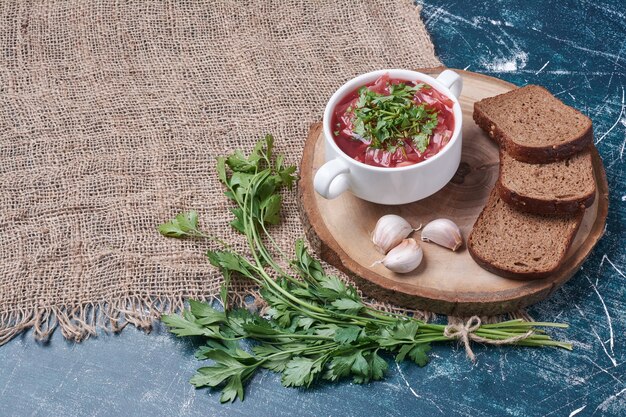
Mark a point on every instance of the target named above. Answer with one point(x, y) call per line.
point(540, 205)
point(533, 154)
point(543, 206)
point(507, 273)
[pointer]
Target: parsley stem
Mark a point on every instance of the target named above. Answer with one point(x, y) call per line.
point(270, 260)
point(523, 323)
point(273, 242)
point(249, 226)
point(303, 351)
point(314, 309)
point(254, 242)
point(289, 336)
point(507, 333)
point(386, 316)
point(211, 238)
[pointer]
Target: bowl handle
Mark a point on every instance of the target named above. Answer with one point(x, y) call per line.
point(332, 179)
point(452, 81)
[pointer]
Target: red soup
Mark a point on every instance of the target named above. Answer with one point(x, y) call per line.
point(393, 123)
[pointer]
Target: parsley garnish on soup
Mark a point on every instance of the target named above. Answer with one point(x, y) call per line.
point(393, 123)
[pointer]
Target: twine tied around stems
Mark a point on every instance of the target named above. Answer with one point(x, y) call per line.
point(465, 332)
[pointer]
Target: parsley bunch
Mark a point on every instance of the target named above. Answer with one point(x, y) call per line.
point(387, 121)
point(317, 327)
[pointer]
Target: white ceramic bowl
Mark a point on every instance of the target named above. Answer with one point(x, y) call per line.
point(382, 185)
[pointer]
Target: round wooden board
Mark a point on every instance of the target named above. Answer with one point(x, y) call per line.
point(446, 282)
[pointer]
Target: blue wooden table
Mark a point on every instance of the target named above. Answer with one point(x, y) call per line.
point(577, 49)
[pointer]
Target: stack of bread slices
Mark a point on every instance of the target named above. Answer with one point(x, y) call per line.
point(546, 182)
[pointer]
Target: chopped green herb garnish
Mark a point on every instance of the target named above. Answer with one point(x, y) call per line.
point(387, 120)
point(420, 141)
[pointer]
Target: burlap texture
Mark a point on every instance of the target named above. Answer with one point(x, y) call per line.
point(111, 116)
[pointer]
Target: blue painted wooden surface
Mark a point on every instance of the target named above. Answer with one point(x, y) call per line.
point(575, 48)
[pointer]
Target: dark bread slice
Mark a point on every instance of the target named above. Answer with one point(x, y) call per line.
point(514, 244)
point(560, 187)
point(533, 126)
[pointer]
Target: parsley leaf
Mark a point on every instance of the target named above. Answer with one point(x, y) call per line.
point(185, 325)
point(421, 141)
point(270, 207)
point(378, 366)
point(347, 305)
point(232, 390)
point(347, 334)
point(183, 225)
point(300, 371)
point(419, 354)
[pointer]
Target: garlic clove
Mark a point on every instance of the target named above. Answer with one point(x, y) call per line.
point(443, 232)
point(403, 258)
point(389, 232)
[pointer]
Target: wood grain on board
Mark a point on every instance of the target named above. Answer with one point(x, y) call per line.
point(446, 282)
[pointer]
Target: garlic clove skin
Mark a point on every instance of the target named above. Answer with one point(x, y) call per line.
point(443, 232)
point(389, 232)
point(403, 258)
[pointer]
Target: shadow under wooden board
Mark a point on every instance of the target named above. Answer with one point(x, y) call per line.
point(446, 282)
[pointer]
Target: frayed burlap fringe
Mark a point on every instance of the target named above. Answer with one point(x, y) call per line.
point(81, 321)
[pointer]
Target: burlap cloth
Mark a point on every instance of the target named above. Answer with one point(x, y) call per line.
point(111, 116)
